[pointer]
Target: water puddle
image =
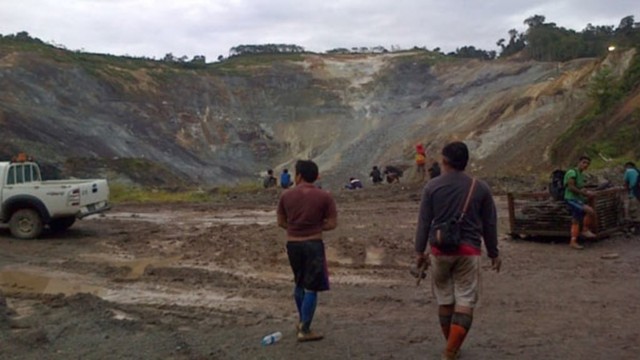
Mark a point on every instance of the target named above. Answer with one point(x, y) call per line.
point(156, 218)
point(243, 217)
point(237, 217)
point(136, 266)
point(121, 315)
point(374, 255)
point(16, 281)
point(353, 279)
point(40, 281)
point(333, 256)
point(162, 295)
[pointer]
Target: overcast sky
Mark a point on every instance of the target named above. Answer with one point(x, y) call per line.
point(153, 28)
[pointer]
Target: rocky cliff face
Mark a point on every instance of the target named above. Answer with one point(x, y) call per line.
point(147, 122)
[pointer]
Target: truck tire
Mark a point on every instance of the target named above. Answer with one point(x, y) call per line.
point(61, 224)
point(25, 224)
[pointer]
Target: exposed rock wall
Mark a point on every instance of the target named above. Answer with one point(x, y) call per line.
point(346, 112)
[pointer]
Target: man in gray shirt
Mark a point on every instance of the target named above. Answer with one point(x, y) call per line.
point(455, 272)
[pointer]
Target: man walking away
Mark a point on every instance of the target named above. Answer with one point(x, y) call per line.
point(575, 196)
point(305, 212)
point(456, 270)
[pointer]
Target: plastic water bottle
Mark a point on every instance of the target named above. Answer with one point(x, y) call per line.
point(271, 338)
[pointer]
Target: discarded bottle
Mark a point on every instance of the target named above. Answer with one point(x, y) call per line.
point(271, 338)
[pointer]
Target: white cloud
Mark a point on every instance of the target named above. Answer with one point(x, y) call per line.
point(210, 27)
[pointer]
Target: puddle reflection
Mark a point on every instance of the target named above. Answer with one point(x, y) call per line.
point(374, 255)
point(241, 217)
point(12, 281)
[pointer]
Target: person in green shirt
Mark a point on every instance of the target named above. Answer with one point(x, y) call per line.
point(576, 197)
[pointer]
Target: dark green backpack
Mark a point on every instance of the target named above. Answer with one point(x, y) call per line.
point(556, 186)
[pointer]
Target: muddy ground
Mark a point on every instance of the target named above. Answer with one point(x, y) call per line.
point(208, 281)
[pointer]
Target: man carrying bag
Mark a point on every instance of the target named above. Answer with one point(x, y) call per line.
point(457, 214)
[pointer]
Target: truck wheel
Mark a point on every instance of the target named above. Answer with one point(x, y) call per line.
point(25, 224)
point(61, 224)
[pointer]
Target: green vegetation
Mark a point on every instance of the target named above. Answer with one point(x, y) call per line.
point(604, 90)
point(117, 69)
point(607, 92)
point(265, 49)
point(470, 52)
point(620, 141)
point(549, 42)
point(22, 41)
point(96, 64)
point(245, 65)
point(120, 193)
point(620, 144)
point(423, 57)
point(631, 78)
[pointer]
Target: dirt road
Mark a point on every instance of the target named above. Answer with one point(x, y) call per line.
point(185, 281)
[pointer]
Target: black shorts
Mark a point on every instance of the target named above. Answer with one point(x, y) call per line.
point(309, 264)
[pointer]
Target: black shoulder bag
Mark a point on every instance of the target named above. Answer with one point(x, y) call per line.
point(446, 235)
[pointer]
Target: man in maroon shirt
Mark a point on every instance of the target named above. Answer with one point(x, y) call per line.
point(305, 212)
point(455, 272)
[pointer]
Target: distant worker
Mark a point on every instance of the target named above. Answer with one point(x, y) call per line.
point(632, 200)
point(306, 212)
point(434, 170)
point(376, 175)
point(285, 179)
point(576, 196)
point(393, 174)
point(269, 180)
point(354, 184)
point(421, 161)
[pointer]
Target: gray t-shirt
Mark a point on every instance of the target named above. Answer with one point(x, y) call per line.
point(443, 198)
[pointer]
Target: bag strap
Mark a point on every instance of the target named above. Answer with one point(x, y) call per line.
point(466, 202)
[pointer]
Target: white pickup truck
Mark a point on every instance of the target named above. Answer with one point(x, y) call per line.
point(29, 204)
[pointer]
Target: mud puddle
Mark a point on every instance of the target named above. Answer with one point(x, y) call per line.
point(41, 282)
point(238, 217)
point(136, 266)
point(126, 288)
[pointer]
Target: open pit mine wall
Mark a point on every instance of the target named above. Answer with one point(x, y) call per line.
point(347, 113)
